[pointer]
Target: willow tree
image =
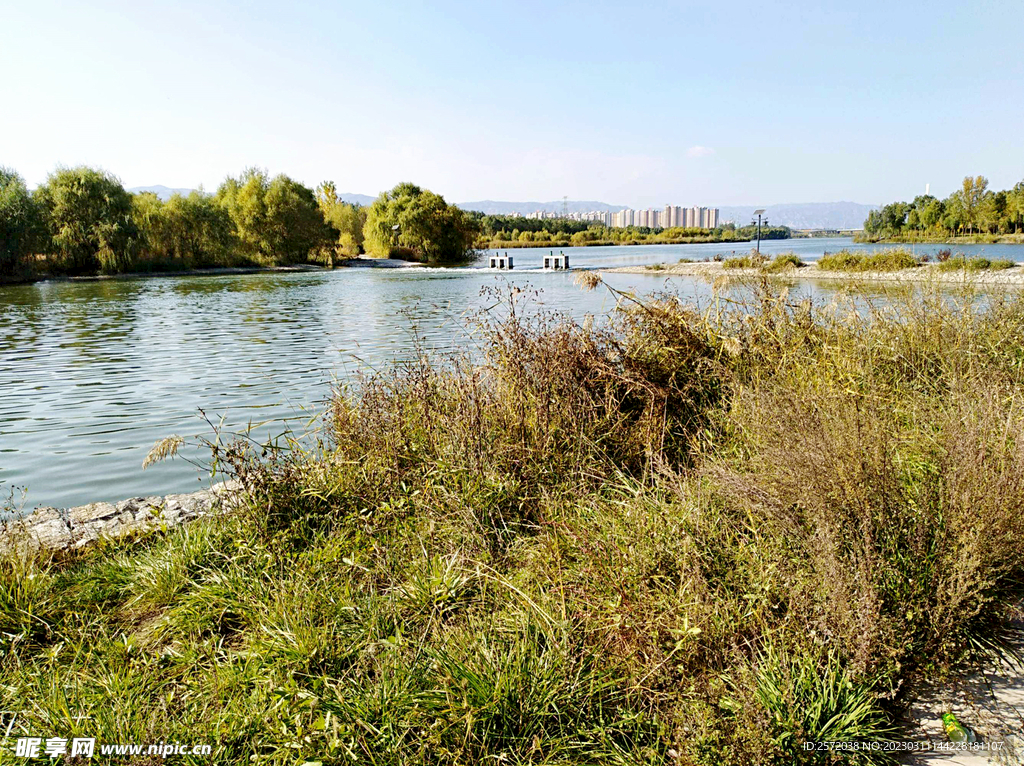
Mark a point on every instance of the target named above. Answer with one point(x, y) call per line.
point(347, 219)
point(416, 223)
point(276, 220)
point(89, 220)
point(20, 222)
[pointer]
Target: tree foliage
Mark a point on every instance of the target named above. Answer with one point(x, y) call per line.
point(413, 222)
point(187, 231)
point(276, 221)
point(971, 209)
point(20, 222)
point(348, 220)
point(88, 216)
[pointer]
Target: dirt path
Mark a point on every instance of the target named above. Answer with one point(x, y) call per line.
point(989, 701)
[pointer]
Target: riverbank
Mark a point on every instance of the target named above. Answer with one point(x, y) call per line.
point(678, 536)
point(925, 273)
point(362, 261)
point(46, 531)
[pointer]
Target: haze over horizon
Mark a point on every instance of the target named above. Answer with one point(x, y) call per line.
point(684, 104)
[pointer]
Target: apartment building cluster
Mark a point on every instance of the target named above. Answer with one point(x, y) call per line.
point(671, 216)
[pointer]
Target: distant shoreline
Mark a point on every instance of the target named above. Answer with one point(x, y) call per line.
point(502, 245)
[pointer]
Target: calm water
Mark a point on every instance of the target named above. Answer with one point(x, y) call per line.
point(94, 373)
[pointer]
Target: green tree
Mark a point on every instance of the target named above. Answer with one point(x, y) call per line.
point(411, 221)
point(931, 215)
point(191, 231)
point(971, 196)
point(20, 222)
point(1015, 206)
point(275, 220)
point(348, 220)
point(88, 215)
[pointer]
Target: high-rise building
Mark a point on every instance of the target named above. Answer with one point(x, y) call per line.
point(671, 216)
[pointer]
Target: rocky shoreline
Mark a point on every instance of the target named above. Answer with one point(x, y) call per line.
point(56, 529)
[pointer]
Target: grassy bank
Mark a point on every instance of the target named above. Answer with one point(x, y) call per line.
point(695, 537)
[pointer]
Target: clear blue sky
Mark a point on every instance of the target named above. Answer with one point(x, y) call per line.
point(629, 103)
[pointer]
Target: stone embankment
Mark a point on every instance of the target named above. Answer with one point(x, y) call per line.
point(54, 529)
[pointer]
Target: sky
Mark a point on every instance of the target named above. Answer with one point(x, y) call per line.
point(637, 104)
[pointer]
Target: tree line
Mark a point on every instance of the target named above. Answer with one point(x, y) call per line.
point(83, 221)
point(503, 230)
point(972, 209)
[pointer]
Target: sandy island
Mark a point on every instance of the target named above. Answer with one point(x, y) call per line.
point(927, 272)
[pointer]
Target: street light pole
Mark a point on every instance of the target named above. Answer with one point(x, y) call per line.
point(758, 213)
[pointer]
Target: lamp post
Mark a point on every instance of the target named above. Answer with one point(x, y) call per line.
point(759, 213)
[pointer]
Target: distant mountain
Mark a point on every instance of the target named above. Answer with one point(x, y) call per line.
point(495, 207)
point(163, 192)
point(804, 215)
point(357, 199)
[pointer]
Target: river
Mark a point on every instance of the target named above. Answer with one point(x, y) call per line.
point(93, 373)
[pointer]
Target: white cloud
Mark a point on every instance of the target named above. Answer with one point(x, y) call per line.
point(699, 151)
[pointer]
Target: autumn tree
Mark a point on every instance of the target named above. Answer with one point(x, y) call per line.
point(348, 220)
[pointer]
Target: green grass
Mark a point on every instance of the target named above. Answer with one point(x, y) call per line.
point(779, 263)
point(714, 534)
point(783, 262)
point(975, 263)
point(752, 261)
point(895, 259)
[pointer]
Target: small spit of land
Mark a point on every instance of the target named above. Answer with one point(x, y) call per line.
point(685, 536)
point(895, 265)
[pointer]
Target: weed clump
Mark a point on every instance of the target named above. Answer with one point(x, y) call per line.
point(895, 259)
point(783, 262)
point(974, 263)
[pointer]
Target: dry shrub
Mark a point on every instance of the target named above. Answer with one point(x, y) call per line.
point(886, 451)
point(550, 404)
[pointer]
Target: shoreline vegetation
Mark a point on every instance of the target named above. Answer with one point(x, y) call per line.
point(702, 535)
point(891, 265)
point(506, 232)
point(940, 239)
point(82, 222)
point(974, 214)
point(691, 240)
